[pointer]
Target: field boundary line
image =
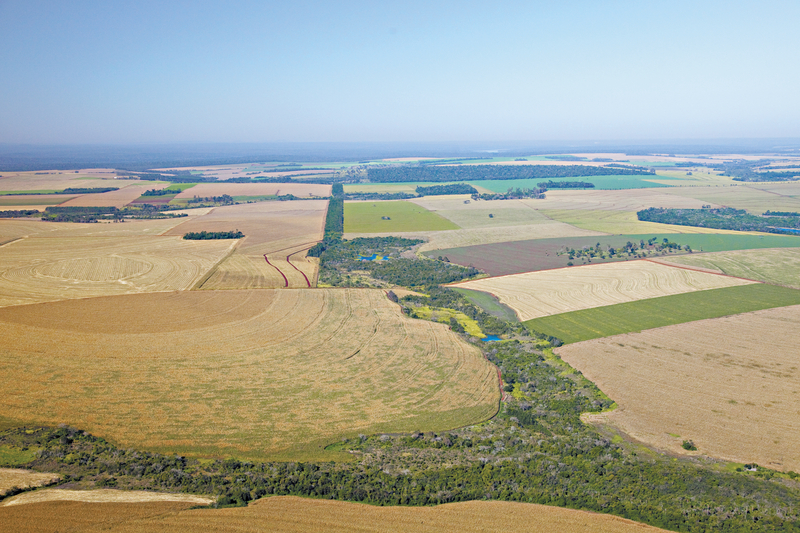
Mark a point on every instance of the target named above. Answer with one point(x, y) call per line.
point(12, 241)
point(697, 269)
point(197, 286)
point(294, 267)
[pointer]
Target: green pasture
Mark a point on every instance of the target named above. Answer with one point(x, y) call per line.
point(366, 217)
point(636, 316)
point(10, 456)
point(180, 187)
point(488, 303)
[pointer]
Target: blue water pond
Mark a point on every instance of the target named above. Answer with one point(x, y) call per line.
point(489, 338)
point(373, 257)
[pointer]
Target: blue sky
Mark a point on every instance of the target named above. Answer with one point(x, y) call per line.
point(143, 72)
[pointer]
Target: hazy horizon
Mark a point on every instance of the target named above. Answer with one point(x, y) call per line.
point(209, 72)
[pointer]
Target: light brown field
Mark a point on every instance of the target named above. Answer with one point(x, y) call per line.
point(29, 201)
point(303, 190)
point(550, 292)
point(41, 269)
point(17, 477)
point(729, 384)
point(279, 231)
point(119, 198)
point(752, 198)
point(475, 214)
point(59, 179)
point(103, 496)
point(289, 514)
point(622, 200)
point(437, 240)
point(269, 373)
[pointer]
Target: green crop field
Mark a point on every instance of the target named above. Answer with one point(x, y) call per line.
point(780, 265)
point(489, 303)
point(636, 316)
point(367, 217)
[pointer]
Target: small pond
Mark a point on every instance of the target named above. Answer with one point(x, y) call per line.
point(489, 338)
point(373, 257)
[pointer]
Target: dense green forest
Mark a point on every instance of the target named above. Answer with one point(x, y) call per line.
point(512, 194)
point(83, 214)
point(723, 218)
point(18, 213)
point(407, 173)
point(379, 196)
point(160, 192)
point(213, 235)
point(453, 188)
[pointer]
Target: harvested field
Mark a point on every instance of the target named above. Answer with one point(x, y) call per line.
point(550, 292)
point(290, 514)
point(257, 374)
point(11, 478)
point(42, 269)
point(753, 199)
point(103, 496)
point(500, 259)
point(624, 200)
point(119, 198)
point(475, 214)
point(437, 240)
point(303, 190)
point(402, 216)
point(629, 317)
point(272, 253)
point(728, 384)
point(626, 222)
point(24, 201)
point(777, 265)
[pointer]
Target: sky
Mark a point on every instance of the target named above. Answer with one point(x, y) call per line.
point(346, 71)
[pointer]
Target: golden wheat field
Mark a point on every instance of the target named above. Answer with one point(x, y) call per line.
point(20, 478)
point(614, 200)
point(731, 385)
point(41, 269)
point(102, 496)
point(289, 514)
point(248, 373)
point(125, 195)
point(273, 252)
point(303, 190)
point(550, 292)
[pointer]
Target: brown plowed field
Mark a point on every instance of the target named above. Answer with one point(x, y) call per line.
point(289, 514)
point(248, 373)
point(120, 198)
point(273, 231)
point(550, 292)
point(731, 385)
point(303, 190)
point(102, 496)
point(42, 269)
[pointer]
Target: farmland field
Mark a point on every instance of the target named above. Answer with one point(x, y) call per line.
point(622, 222)
point(515, 257)
point(629, 317)
point(550, 292)
point(102, 496)
point(624, 200)
point(120, 198)
point(600, 182)
point(366, 217)
point(41, 269)
point(253, 374)
point(290, 514)
point(303, 190)
point(728, 384)
point(476, 214)
point(22, 201)
point(20, 478)
point(272, 253)
point(754, 199)
point(778, 265)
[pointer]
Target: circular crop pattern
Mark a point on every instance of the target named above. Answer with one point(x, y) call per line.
point(108, 268)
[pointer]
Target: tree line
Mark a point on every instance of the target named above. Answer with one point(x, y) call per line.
point(722, 218)
point(406, 173)
point(213, 235)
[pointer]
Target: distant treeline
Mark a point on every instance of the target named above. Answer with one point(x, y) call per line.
point(68, 190)
point(724, 218)
point(225, 199)
point(565, 185)
point(492, 172)
point(454, 188)
point(19, 213)
point(512, 194)
point(782, 214)
point(379, 196)
point(89, 214)
point(82, 210)
point(213, 235)
point(160, 192)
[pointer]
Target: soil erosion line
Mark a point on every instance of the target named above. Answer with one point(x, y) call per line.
point(294, 267)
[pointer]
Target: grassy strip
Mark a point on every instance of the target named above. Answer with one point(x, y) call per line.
point(488, 303)
point(636, 316)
